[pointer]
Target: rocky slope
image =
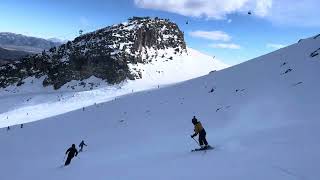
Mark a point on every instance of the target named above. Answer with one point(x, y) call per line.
point(107, 53)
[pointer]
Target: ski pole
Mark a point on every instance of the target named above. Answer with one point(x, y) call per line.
point(196, 141)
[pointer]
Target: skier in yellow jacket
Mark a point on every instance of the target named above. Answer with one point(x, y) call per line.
point(198, 129)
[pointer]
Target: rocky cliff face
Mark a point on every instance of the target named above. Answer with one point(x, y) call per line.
point(105, 54)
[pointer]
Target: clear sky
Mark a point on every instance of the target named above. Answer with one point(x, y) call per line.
point(221, 28)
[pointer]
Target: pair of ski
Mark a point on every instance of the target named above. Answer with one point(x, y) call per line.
point(202, 149)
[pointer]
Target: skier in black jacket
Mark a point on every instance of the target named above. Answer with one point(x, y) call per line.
point(72, 151)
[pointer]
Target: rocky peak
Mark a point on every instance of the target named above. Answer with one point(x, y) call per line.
point(104, 53)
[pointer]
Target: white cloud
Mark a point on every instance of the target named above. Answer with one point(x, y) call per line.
point(225, 46)
point(284, 12)
point(295, 13)
point(216, 9)
point(211, 35)
point(275, 46)
point(229, 20)
point(262, 7)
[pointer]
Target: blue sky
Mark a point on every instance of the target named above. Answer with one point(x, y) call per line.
point(219, 28)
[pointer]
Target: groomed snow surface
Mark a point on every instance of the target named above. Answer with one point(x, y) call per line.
point(262, 118)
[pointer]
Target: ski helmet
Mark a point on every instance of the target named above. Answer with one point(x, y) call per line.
point(194, 120)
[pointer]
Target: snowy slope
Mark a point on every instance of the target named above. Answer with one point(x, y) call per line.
point(261, 117)
point(140, 54)
point(31, 101)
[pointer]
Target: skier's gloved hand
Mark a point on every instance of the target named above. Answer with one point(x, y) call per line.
point(192, 136)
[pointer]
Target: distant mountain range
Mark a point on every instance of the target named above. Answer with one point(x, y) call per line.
point(15, 46)
point(19, 42)
point(57, 40)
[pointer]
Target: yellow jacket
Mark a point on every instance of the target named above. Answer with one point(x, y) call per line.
point(198, 128)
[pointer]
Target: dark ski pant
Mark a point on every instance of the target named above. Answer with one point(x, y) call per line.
point(202, 138)
point(68, 160)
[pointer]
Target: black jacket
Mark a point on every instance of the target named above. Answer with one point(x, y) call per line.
point(72, 151)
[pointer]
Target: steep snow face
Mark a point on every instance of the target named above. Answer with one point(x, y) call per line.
point(25, 103)
point(262, 116)
point(169, 68)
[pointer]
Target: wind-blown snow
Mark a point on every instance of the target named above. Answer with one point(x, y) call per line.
point(262, 118)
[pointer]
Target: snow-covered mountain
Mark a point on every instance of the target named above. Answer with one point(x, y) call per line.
point(261, 116)
point(142, 48)
point(137, 55)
